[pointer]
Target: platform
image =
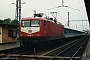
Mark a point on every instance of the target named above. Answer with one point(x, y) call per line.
point(9, 46)
point(86, 54)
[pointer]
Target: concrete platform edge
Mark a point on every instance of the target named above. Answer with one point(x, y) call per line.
point(84, 56)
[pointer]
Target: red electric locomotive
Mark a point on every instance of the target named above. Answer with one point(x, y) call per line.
point(39, 30)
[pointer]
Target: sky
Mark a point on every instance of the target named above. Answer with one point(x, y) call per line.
point(76, 12)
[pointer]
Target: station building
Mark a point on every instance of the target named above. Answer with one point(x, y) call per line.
point(8, 33)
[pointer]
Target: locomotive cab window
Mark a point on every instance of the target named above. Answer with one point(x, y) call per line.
point(30, 23)
point(35, 23)
point(25, 23)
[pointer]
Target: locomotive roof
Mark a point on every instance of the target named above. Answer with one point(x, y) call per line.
point(32, 18)
point(40, 18)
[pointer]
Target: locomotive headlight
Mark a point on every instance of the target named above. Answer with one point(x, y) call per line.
point(29, 35)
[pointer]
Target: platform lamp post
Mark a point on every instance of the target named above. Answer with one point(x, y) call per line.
point(20, 8)
point(18, 12)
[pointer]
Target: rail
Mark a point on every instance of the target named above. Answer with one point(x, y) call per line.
point(78, 49)
point(69, 48)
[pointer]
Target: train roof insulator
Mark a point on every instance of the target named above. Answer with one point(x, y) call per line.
point(39, 15)
point(46, 17)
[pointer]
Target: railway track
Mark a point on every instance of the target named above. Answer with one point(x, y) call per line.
point(72, 50)
point(60, 52)
point(63, 51)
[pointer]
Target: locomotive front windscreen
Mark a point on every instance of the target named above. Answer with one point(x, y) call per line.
point(30, 23)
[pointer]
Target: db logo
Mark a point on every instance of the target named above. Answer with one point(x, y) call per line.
point(29, 31)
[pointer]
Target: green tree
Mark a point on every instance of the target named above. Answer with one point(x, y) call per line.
point(1, 21)
point(14, 22)
point(7, 21)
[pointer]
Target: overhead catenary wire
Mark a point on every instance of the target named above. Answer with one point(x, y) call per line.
point(77, 7)
point(75, 4)
point(39, 5)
